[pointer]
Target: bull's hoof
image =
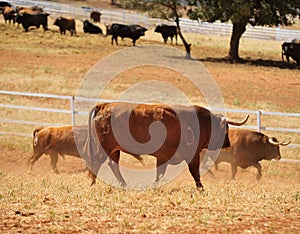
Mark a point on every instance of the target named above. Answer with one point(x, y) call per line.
point(93, 183)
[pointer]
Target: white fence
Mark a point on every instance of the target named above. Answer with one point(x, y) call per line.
point(74, 114)
point(122, 16)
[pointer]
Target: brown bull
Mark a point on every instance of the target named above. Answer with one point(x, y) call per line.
point(65, 24)
point(33, 10)
point(171, 134)
point(247, 149)
point(54, 141)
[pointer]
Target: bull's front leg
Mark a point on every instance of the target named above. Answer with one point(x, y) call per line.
point(259, 174)
point(194, 168)
point(233, 171)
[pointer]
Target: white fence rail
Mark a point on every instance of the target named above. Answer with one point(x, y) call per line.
point(122, 16)
point(73, 114)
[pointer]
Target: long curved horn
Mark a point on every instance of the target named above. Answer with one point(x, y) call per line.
point(238, 123)
point(285, 143)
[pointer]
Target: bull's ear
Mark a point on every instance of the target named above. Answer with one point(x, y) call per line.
point(265, 139)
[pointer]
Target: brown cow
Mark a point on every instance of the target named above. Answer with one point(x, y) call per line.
point(33, 10)
point(247, 149)
point(171, 134)
point(65, 24)
point(95, 16)
point(54, 141)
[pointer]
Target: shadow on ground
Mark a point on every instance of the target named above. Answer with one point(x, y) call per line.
point(255, 62)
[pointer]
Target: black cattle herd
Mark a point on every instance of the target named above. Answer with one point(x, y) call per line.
point(35, 16)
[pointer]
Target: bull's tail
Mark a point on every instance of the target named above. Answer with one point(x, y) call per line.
point(92, 115)
point(36, 131)
point(35, 135)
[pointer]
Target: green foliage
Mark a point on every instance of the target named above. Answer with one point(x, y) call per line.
point(165, 9)
point(266, 12)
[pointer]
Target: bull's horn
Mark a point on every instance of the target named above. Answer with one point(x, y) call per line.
point(238, 123)
point(285, 143)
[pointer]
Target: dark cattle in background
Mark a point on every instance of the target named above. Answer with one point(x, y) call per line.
point(4, 4)
point(291, 49)
point(95, 16)
point(133, 32)
point(31, 10)
point(247, 149)
point(8, 14)
point(88, 27)
point(189, 129)
point(65, 24)
point(28, 20)
point(167, 31)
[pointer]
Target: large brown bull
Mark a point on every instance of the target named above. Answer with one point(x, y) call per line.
point(54, 141)
point(171, 134)
point(247, 149)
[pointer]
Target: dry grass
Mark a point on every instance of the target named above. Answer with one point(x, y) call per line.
point(43, 202)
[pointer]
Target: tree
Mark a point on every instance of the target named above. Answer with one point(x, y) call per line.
point(171, 10)
point(242, 12)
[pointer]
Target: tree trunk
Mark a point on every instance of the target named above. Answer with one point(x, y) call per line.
point(237, 31)
point(187, 46)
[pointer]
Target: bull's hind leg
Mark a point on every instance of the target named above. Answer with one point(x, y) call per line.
point(161, 167)
point(114, 165)
point(54, 159)
point(32, 160)
point(195, 171)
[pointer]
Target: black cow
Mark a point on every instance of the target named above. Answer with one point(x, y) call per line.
point(133, 32)
point(8, 14)
point(4, 4)
point(167, 31)
point(28, 20)
point(88, 27)
point(291, 49)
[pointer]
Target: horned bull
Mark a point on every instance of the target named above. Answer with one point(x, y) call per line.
point(247, 149)
point(188, 130)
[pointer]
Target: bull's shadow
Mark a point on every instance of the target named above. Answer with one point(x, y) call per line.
point(255, 62)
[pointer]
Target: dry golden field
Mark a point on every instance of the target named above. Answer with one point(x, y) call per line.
point(43, 202)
